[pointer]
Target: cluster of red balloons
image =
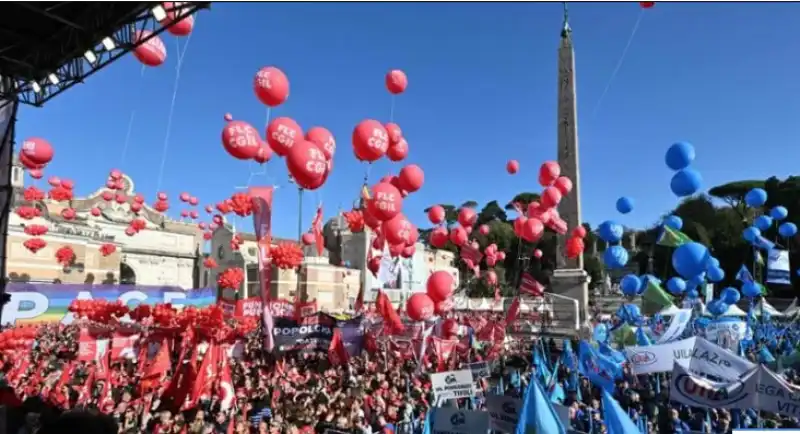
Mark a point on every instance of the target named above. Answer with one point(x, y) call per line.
point(65, 255)
point(287, 256)
point(209, 263)
point(575, 244)
point(34, 244)
point(36, 230)
point(18, 338)
point(231, 278)
point(437, 300)
point(32, 194)
point(61, 190)
point(107, 249)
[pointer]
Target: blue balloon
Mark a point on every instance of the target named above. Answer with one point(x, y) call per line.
point(750, 234)
point(715, 274)
point(676, 285)
point(690, 259)
point(685, 182)
point(717, 307)
point(730, 295)
point(779, 212)
point(673, 222)
point(692, 293)
point(679, 156)
point(763, 222)
point(751, 289)
point(713, 262)
point(787, 229)
point(615, 257)
point(646, 279)
point(763, 243)
point(696, 281)
point(624, 205)
point(630, 313)
point(600, 333)
point(630, 284)
point(610, 232)
point(755, 198)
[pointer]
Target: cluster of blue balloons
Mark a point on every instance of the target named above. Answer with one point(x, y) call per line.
point(611, 232)
point(730, 296)
point(757, 198)
point(686, 181)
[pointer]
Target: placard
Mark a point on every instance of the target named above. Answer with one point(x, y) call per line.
point(454, 421)
point(453, 384)
point(480, 370)
point(503, 412)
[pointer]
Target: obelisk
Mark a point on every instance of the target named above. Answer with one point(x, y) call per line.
point(569, 278)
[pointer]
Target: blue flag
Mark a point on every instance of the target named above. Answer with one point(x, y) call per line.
point(538, 415)
point(599, 369)
point(426, 428)
point(642, 339)
point(567, 355)
point(744, 274)
point(616, 419)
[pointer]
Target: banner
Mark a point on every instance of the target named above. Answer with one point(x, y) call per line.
point(352, 331)
point(773, 394)
point(453, 384)
point(311, 333)
point(480, 370)
point(44, 302)
point(694, 391)
point(677, 326)
point(727, 332)
point(778, 267)
point(695, 354)
point(503, 412)
point(262, 221)
point(445, 420)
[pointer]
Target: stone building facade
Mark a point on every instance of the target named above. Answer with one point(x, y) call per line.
point(166, 253)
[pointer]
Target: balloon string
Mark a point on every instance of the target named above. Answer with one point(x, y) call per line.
point(619, 63)
point(130, 128)
point(181, 55)
point(391, 110)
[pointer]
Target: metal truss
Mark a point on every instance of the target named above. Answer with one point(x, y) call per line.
point(86, 60)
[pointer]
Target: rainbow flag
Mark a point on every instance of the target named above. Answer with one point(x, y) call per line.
point(365, 192)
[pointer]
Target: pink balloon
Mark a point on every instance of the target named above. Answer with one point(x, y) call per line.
point(532, 230)
point(501, 256)
point(548, 173)
point(519, 225)
point(193, 201)
point(564, 185)
point(309, 239)
point(408, 252)
point(54, 181)
point(271, 86)
point(491, 277)
point(184, 197)
point(282, 134)
point(36, 173)
point(484, 229)
point(411, 178)
point(436, 214)
point(537, 253)
point(96, 211)
point(161, 196)
point(550, 197)
point(467, 216)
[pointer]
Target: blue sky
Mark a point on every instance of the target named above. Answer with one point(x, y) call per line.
point(482, 90)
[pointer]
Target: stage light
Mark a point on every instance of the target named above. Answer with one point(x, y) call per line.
point(53, 79)
point(109, 44)
point(90, 57)
point(159, 13)
point(36, 87)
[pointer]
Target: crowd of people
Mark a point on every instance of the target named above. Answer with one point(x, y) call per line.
point(374, 392)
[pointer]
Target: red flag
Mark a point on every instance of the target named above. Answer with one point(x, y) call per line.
point(529, 285)
point(359, 304)
point(122, 346)
point(316, 229)
point(262, 219)
point(225, 390)
point(156, 367)
point(444, 352)
point(337, 353)
point(91, 349)
point(513, 311)
point(387, 312)
point(204, 382)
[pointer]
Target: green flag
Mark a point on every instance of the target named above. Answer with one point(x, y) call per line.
point(672, 238)
point(655, 294)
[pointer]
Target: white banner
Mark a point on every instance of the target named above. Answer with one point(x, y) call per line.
point(773, 394)
point(503, 412)
point(676, 327)
point(695, 354)
point(453, 384)
point(452, 420)
point(694, 391)
point(778, 267)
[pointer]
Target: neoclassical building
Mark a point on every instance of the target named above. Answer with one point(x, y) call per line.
point(166, 253)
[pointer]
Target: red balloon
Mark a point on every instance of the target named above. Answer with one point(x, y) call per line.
point(440, 285)
point(564, 185)
point(491, 277)
point(398, 151)
point(512, 166)
point(120, 198)
point(96, 211)
point(370, 220)
point(68, 184)
point(467, 216)
point(130, 231)
point(450, 325)
point(138, 198)
point(395, 133)
point(184, 197)
point(396, 81)
point(307, 165)
point(323, 139)
point(551, 196)
point(37, 150)
point(282, 134)
point(548, 173)
point(458, 236)
point(419, 307)
point(241, 140)
point(411, 178)
point(161, 196)
point(115, 174)
point(36, 173)
point(263, 155)
point(54, 181)
point(192, 201)
point(519, 225)
point(271, 86)
point(436, 214)
point(28, 164)
point(153, 52)
point(579, 232)
point(501, 256)
point(438, 237)
point(397, 230)
point(370, 140)
point(537, 253)
point(408, 251)
point(385, 202)
point(396, 249)
point(193, 214)
point(574, 247)
point(484, 229)
point(108, 196)
point(309, 239)
point(532, 230)
point(228, 117)
point(182, 27)
point(209, 209)
point(647, 5)
point(184, 214)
